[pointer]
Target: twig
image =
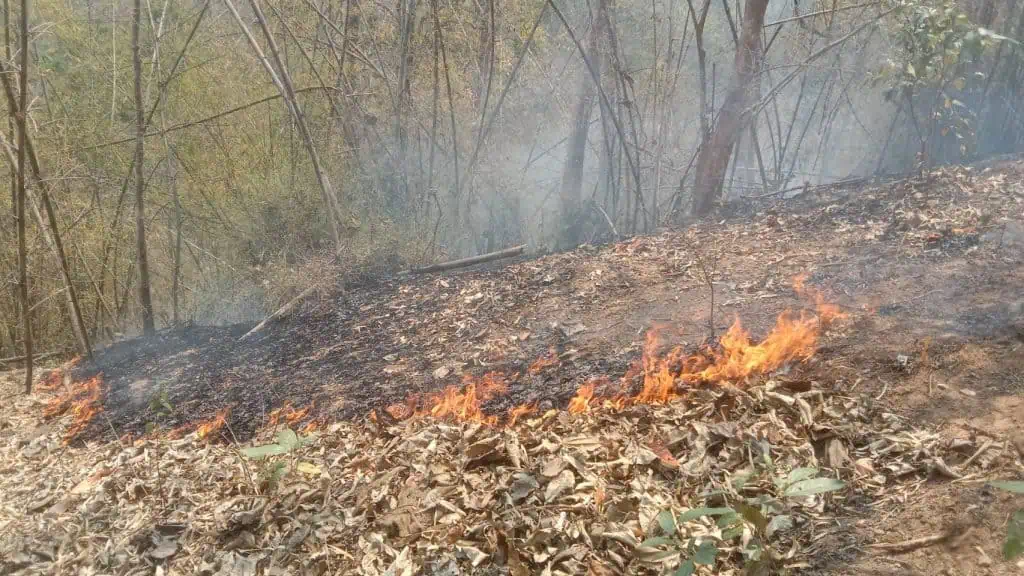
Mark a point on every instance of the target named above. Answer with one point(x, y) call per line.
point(607, 219)
point(912, 544)
point(885, 388)
point(979, 452)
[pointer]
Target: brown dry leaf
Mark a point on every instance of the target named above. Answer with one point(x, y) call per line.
point(565, 481)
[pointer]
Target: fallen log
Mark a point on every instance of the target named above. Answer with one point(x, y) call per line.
point(464, 262)
point(281, 313)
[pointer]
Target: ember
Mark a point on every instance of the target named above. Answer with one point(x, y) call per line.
point(540, 364)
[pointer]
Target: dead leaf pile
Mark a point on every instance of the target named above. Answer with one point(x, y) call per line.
point(555, 494)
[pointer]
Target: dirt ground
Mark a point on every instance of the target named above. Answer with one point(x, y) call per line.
point(929, 271)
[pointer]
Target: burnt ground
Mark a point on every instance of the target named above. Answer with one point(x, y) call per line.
point(930, 271)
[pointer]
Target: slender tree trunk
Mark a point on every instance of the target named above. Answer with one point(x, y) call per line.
point(142, 259)
point(48, 225)
point(26, 309)
point(572, 176)
point(284, 85)
point(735, 115)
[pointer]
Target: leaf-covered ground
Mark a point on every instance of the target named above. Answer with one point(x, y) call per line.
point(907, 409)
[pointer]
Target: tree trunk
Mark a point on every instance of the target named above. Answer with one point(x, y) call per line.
point(48, 225)
point(734, 117)
point(26, 310)
point(572, 176)
point(145, 297)
point(284, 86)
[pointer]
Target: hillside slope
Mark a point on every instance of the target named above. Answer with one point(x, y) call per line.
point(912, 396)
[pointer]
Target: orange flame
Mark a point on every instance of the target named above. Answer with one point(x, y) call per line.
point(214, 424)
point(793, 339)
point(518, 412)
point(84, 409)
point(52, 381)
point(464, 405)
point(84, 400)
point(581, 402)
point(540, 364)
point(827, 313)
point(288, 414)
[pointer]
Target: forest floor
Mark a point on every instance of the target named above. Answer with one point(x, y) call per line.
point(442, 443)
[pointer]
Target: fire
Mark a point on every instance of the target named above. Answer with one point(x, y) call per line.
point(213, 425)
point(464, 405)
point(659, 377)
point(827, 313)
point(793, 339)
point(52, 381)
point(540, 364)
point(581, 402)
point(518, 412)
point(85, 408)
point(83, 400)
point(288, 414)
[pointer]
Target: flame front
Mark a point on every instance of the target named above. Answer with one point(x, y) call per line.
point(794, 338)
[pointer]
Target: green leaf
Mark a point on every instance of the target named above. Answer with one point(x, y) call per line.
point(1014, 544)
point(288, 439)
point(705, 554)
point(667, 522)
point(729, 520)
point(695, 513)
point(1015, 486)
point(257, 452)
point(798, 474)
point(779, 523)
point(687, 569)
point(959, 83)
point(754, 516)
point(814, 486)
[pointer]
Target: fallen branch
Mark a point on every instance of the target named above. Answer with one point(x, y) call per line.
point(490, 256)
point(281, 313)
point(912, 544)
point(35, 357)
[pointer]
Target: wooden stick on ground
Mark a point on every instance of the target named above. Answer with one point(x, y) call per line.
point(281, 312)
point(506, 253)
point(35, 357)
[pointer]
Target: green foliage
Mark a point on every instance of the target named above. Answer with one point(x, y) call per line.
point(160, 403)
point(937, 57)
point(287, 441)
point(764, 516)
point(1014, 544)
